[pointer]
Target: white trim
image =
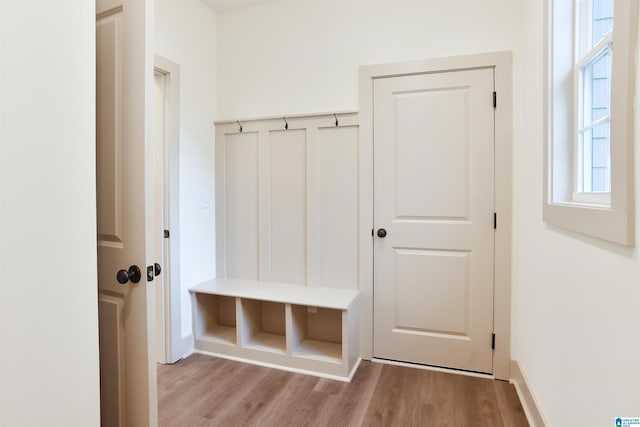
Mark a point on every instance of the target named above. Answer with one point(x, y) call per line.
point(528, 401)
point(174, 342)
point(433, 368)
point(501, 62)
point(288, 116)
point(283, 367)
point(592, 198)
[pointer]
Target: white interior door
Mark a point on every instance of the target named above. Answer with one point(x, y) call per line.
point(434, 197)
point(124, 95)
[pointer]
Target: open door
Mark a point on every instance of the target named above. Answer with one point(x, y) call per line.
point(124, 127)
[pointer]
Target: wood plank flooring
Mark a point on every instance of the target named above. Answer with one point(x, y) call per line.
point(208, 391)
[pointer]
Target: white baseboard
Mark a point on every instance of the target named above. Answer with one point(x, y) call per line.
point(527, 398)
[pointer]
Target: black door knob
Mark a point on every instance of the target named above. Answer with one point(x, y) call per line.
point(157, 268)
point(133, 274)
point(382, 232)
point(122, 276)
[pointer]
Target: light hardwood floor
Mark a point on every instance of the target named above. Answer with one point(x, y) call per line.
point(208, 391)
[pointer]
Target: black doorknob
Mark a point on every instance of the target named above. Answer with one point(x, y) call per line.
point(133, 274)
point(382, 232)
point(122, 276)
point(157, 268)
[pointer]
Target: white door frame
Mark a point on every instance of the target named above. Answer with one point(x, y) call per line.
point(501, 62)
point(175, 347)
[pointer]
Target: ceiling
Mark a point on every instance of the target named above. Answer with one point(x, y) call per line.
point(224, 5)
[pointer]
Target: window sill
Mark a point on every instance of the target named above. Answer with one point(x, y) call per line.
point(594, 199)
point(602, 222)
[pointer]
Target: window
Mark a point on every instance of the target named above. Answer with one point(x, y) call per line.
point(590, 90)
point(594, 22)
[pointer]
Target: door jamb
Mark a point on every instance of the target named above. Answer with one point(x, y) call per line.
point(175, 345)
point(501, 62)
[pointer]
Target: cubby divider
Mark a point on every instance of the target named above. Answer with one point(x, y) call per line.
point(313, 330)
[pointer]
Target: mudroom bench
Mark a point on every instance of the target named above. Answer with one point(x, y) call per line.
point(312, 330)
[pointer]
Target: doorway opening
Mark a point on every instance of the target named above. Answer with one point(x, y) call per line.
point(170, 346)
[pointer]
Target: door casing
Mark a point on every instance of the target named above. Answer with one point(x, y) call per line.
point(502, 64)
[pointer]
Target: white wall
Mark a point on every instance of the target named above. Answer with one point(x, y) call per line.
point(574, 298)
point(49, 371)
point(576, 306)
point(302, 56)
point(186, 34)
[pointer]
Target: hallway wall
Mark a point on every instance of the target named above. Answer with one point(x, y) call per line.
point(294, 57)
point(576, 311)
point(49, 373)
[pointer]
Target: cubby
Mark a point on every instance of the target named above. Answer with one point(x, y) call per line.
point(216, 318)
point(263, 326)
point(291, 327)
point(317, 333)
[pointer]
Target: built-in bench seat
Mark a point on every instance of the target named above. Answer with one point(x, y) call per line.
point(293, 327)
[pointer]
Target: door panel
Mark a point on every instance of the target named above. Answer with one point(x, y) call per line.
point(434, 182)
point(109, 147)
point(124, 125)
point(433, 178)
point(111, 361)
point(448, 273)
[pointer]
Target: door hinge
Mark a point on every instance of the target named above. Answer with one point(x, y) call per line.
point(166, 234)
point(493, 341)
point(495, 99)
point(495, 221)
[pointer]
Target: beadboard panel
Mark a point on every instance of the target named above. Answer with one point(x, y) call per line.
point(241, 205)
point(287, 205)
point(338, 187)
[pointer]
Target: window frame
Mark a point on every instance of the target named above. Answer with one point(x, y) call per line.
point(614, 221)
point(585, 54)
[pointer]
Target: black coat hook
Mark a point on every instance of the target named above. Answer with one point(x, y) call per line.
point(286, 125)
point(336, 117)
point(239, 126)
